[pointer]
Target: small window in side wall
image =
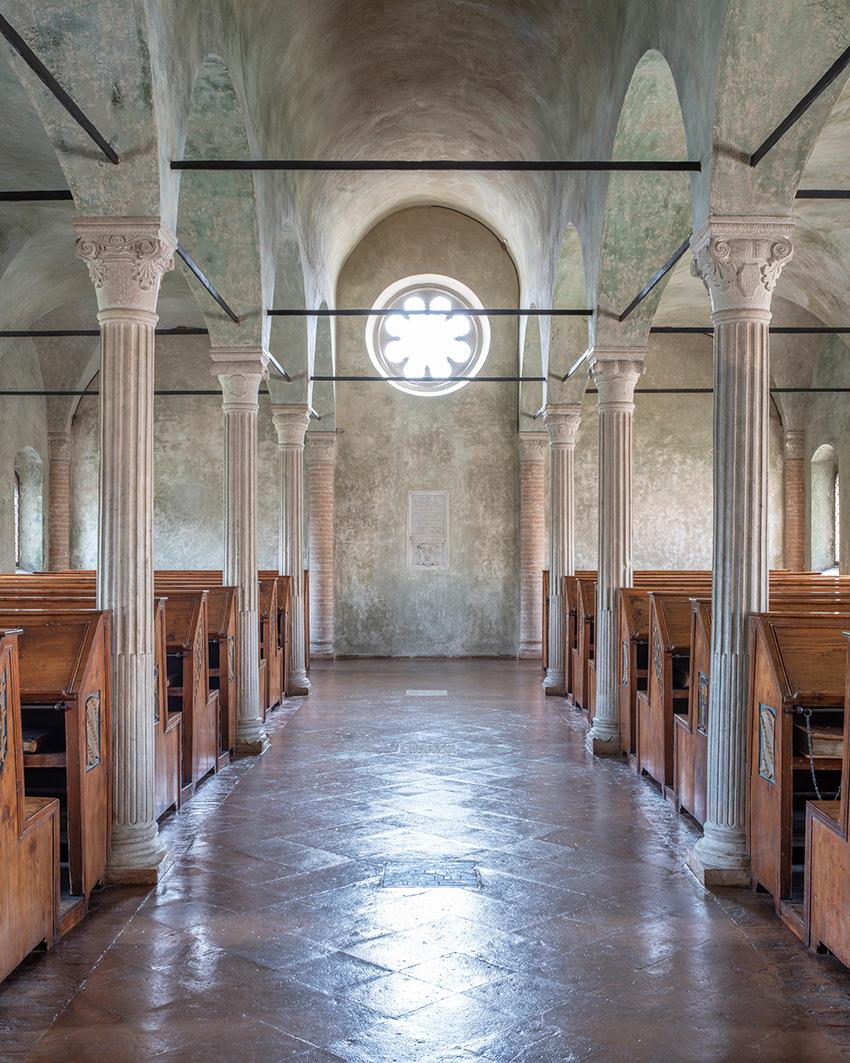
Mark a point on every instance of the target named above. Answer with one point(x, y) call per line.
point(825, 510)
point(16, 488)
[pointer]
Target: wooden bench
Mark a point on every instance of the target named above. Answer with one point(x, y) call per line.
point(797, 681)
point(666, 693)
point(584, 640)
point(826, 910)
point(188, 685)
point(50, 594)
point(64, 671)
point(29, 834)
point(544, 621)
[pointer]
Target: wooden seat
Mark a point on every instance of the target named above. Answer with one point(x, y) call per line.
point(798, 682)
point(826, 911)
point(29, 835)
point(66, 700)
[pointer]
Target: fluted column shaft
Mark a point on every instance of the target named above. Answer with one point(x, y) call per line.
point(126, 259)
point(615, 371)
point(562, 420)
point(59, 501)
point(291, 420)
point(740, 260)
point(321, 460)
point(794, 500)
point(533, 450)
point(240, 371)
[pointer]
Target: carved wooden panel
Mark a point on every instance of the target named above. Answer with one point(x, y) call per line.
point(624, 681)
point(156, 706)
point(93, 731)
point(4, 720)
point(767, 743)
point(657, 655)
point(702, 703)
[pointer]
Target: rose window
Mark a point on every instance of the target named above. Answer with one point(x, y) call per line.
point(425, 341)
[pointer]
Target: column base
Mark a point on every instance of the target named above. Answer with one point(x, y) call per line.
point(144, 873)
point(531, 651)
point(299, 685)
point(554, 682)
point(602, 745)
point(720, 859)
point(252, 747)
point(322, 651)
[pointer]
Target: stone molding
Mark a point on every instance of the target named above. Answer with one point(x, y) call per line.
point(615, 372)
point(532, 446)
point(321, 448)
point(739, 259)
point(562, 420)
point(291, 421)
point(240, 371)
point(126, 258)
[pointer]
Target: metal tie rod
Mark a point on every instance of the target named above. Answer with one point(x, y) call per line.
point(47, 79)
point(800, 109)
point(505, 165)
point(656, 278)
point(499, 311)
point(433, 380)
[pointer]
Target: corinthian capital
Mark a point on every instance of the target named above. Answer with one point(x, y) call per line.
point(615, 372)
point(126, 258)
point(291, 420)
point(240, 371)
point(562, 420)
point(321, 448)
point(532, 446)
point(740, 259)
point(58, 446)
point(794, 444)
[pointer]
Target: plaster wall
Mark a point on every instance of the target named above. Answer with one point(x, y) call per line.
point(24, 423)
point(188, 468)
point(672, 473)
point(464, 443)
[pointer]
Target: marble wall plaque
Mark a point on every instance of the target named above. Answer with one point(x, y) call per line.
point(428, 530)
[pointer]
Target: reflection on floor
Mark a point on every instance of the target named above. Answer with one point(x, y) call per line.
point(303, 920)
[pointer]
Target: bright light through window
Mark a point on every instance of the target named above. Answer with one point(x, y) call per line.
point(430, 346)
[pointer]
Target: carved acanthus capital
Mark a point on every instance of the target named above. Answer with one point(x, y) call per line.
point(533, 446)
point(240, 371)
point(59, 446)
point(740, 259)
point(126, 258)
point(321, 448)
point(291, 420)
point(794, 442)
point(615, 371)
point(562, 420)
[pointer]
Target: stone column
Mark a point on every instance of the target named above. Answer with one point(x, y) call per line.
point(794, 490)
point(240, 371)
point(321, 458)
point(126, 258)
point(291, 420)
point(562, 420)
point(532, 542)
point(615, 371)
point(740, 260)
point(59, 501)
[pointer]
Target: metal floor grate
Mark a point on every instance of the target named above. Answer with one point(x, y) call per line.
point(429, 874)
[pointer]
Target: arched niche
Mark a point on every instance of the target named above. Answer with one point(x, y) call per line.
point(825, 536)
point(28, 497)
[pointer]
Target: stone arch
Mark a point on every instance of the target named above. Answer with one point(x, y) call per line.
point(825, 537)
point(217, 219)
point(323, 393)
point(569, 336)
point(292, 339)
point(532, 395)
point(647, 215)
point(28, 490)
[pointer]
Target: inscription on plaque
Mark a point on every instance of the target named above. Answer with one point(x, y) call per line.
point(428, 530)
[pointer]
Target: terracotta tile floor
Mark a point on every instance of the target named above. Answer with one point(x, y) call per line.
point(274, 940)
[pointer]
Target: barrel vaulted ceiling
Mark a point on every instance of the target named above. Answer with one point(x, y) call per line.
point(431, 79)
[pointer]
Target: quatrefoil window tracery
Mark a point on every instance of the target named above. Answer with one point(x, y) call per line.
point(429, 346)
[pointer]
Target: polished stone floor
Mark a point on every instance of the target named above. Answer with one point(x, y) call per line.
point(303, 920)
